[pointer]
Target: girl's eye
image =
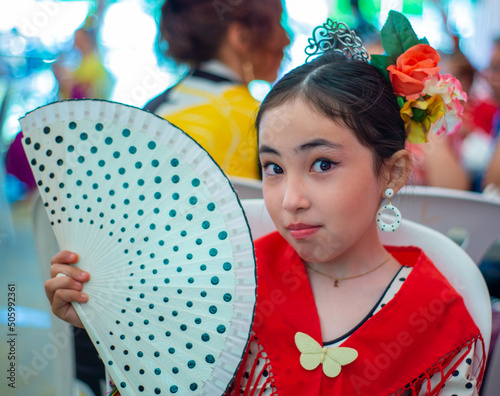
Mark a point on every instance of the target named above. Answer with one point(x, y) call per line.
point(272, 169)
point(323, 165)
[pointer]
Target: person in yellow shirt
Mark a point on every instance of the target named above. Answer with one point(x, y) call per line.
point(88, 78)
point(226, 47)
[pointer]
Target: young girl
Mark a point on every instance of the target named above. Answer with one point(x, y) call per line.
point(349, 316)
point(331, 142)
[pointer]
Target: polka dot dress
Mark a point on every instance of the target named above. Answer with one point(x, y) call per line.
point(159, 228)
point(461, 383)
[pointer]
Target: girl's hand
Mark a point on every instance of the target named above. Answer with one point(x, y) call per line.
point(62, 290)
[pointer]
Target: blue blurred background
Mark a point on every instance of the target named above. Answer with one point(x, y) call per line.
point(52, 50)
point(37, 37)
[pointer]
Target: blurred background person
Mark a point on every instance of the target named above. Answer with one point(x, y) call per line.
point(474, 141)
point(492, 174)
point(80, 72)
point(225, 47)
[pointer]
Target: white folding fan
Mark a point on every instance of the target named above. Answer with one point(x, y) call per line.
point(159, 228)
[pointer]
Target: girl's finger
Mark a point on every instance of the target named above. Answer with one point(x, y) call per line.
point(64, 256)
point(69, 270)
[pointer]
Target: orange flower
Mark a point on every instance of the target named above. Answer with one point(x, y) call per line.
point(412, 67)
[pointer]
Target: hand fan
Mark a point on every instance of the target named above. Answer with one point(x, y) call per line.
point(159, 228)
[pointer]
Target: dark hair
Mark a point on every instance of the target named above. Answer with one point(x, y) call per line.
point(194, 29)
point(349, 91)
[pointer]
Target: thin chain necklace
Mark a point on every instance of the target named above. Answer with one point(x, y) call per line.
point(337, 280)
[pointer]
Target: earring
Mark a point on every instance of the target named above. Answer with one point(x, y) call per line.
point(248, 73)
point(397, 221)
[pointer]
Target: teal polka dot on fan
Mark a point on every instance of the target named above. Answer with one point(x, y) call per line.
point(222, 235)
point(221, 329)
point(210, 359)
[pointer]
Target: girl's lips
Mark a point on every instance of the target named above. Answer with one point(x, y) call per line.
point(302, 231)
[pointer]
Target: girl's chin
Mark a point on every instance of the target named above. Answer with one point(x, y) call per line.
point(313, 256)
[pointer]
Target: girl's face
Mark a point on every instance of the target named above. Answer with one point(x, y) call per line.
point(319, 182)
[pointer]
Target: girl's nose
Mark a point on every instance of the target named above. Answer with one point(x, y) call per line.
point(295, 197)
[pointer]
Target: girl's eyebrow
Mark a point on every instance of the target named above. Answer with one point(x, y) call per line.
point(315, 143)
point(267, 150)
point(319, 143)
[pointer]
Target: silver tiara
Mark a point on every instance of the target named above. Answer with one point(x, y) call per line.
point(335, 37)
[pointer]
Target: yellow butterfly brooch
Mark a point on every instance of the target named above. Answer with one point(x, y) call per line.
point(313, 354)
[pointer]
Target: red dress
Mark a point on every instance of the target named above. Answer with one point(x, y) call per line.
point(416, 335)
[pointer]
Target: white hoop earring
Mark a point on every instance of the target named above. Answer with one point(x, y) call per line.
point(389, 227)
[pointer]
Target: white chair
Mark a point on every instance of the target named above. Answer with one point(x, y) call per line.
point(246, 188)
point(454, 213)
point(46, 247)
point(491, 385)
point(450, 259)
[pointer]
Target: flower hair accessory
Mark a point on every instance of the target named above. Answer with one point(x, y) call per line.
point(428, 101)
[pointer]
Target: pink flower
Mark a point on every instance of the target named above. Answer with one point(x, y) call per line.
point(450, 91)
point(451, 121)
point(447, 86)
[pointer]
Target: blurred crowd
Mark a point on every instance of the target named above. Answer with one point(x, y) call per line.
point(469, 160)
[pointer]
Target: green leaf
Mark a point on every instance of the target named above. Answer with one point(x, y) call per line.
point(401, 101)
point(382, 62)
point(419, 114)
point(397, 34)
point(423, 41)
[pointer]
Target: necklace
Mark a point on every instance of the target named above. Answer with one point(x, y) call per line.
point(337, 280)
